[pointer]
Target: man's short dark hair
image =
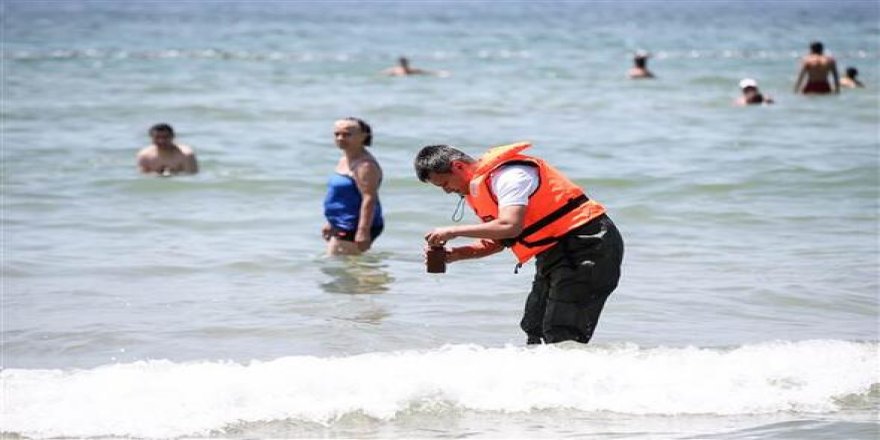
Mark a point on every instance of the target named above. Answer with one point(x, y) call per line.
point(852, 72)
point(161, 128)
point(438, 159)
point(816, 47)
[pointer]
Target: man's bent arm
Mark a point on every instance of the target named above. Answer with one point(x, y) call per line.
point(478, 249)
point(509, 224)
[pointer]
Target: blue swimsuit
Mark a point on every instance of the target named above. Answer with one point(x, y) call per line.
point(342, 208)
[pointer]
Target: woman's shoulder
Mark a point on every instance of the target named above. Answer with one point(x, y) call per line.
point(366, 170)
point(365, 163)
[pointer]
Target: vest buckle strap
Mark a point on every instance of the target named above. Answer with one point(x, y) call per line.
point(568, 207)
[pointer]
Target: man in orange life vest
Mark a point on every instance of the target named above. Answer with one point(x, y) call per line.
point(530, 207)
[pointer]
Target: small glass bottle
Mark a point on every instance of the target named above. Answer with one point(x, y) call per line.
point(436, 259)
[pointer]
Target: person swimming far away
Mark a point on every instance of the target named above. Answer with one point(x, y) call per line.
point(750, 94)
point(815, 68)
point(849, 80)
point(639, 69)
point(403, 68)
point(164, 157)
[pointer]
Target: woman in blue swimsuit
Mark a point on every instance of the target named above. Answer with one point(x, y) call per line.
point(351, 207)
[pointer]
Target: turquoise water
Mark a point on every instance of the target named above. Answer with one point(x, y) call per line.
point(203, 305)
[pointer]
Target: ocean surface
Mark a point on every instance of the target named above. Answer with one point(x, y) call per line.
point(204, 306)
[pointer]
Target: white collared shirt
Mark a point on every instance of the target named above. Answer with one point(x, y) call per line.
point(513, 184)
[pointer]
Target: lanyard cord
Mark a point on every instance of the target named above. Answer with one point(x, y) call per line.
point(458, 214)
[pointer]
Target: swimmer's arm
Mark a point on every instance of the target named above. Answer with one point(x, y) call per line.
point(836, 76)
point(192, 165)
point(144, 164)
point(393, 71)
point(800, 79)
point(367, 177)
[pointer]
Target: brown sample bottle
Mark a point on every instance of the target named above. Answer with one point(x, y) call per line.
point(436, 259)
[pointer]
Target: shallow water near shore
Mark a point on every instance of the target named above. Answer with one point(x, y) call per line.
point(204, 306)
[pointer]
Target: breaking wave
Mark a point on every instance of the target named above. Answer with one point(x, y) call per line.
point(160, 398)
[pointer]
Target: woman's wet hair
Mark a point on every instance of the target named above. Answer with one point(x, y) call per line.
point(437, 159)
point(165, 128)
point(364, 127)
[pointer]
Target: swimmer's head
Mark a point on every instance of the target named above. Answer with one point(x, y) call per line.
point(352, 132)
point(404, 62)
point(641, 58)
point(748, 84)
point(162, 135)
point(852, 72)
point(816, 47)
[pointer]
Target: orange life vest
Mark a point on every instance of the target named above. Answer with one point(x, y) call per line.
point(556, 207)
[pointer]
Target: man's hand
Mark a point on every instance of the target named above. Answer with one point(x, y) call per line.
point(325, 231)
point(362, 240)
point(439, 236)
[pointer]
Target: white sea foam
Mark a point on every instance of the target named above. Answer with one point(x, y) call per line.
point(162, 398)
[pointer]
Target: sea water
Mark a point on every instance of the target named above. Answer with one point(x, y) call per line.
point(204, 306)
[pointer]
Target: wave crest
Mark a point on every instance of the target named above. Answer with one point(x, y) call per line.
point(162, 398)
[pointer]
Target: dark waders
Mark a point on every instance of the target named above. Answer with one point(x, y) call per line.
point(573, 280)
